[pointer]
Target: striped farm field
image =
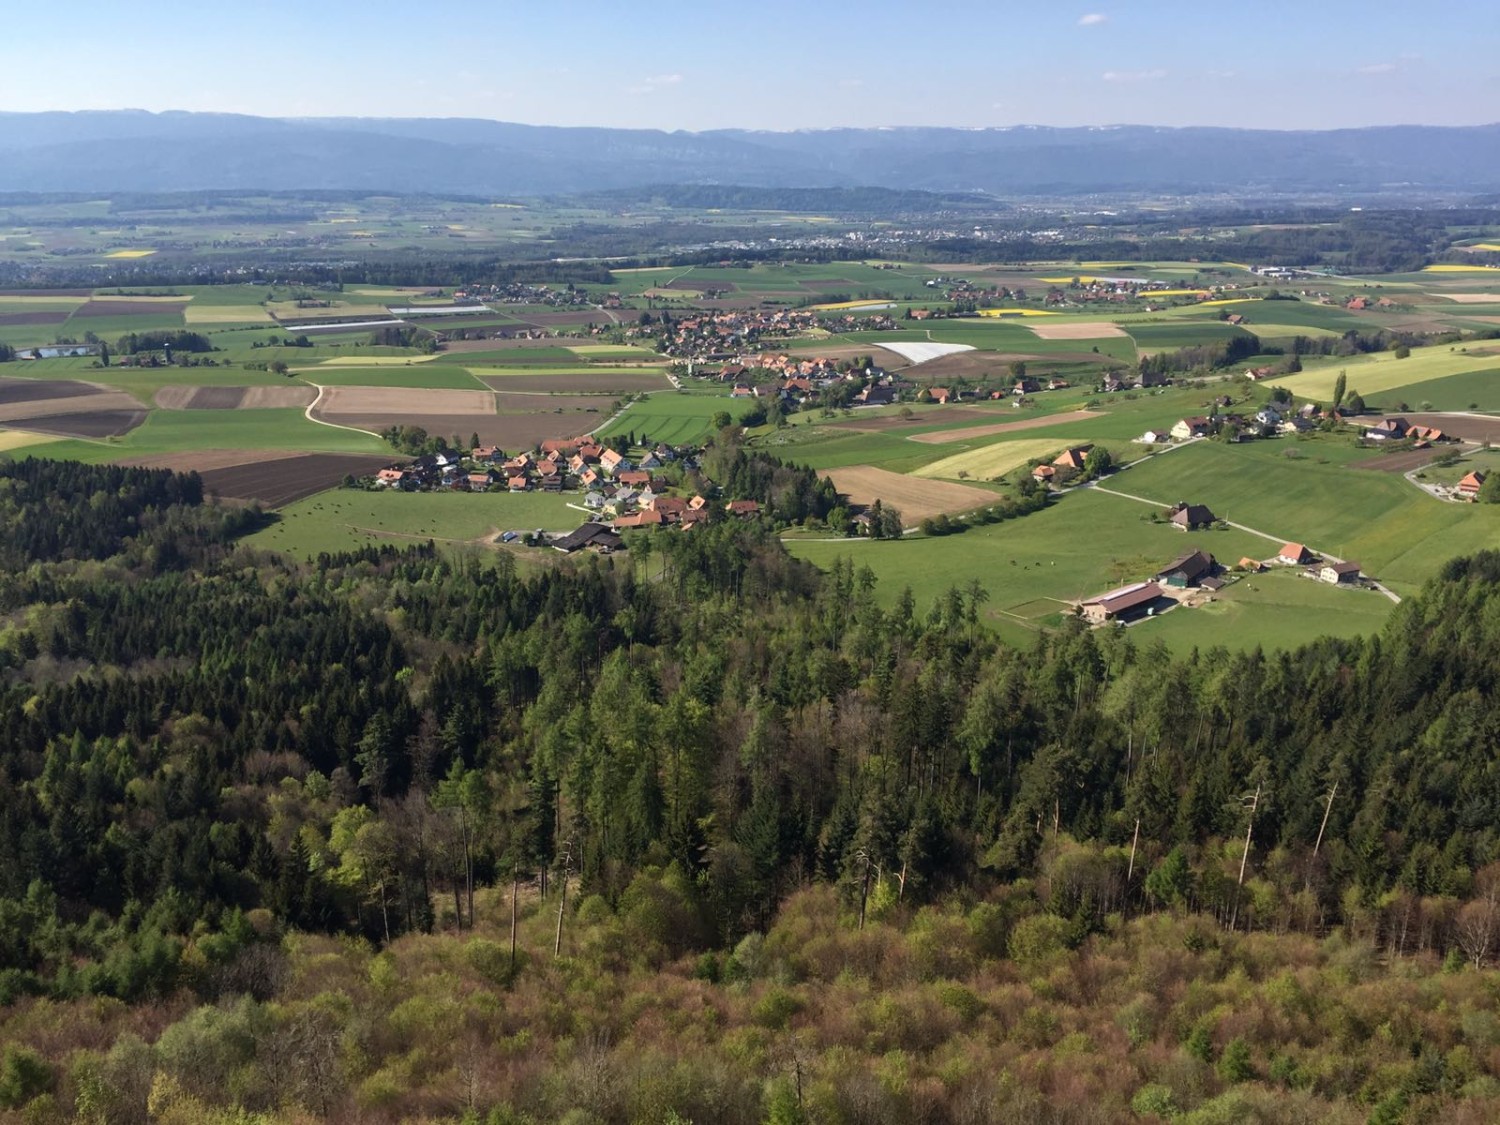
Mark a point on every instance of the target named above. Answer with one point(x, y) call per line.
point(1017, 312)
point(1444, 268)
point(226, 314)
point(130, 253)
point(993, 460)
point(1374, 374)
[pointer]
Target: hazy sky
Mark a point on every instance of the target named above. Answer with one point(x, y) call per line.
point(770, 64)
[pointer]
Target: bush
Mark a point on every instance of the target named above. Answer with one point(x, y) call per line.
point(1037, 938)
point(1154, 1098)
point(24, 1074)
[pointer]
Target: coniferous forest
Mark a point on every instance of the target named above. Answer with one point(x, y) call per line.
point(696, 833)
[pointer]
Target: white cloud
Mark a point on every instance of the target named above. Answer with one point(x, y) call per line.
point(1134, 75)
point(654, 83)
point(1379, 68)
point(1093, 19)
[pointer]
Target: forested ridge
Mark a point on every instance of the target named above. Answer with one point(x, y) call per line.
point(228, 781)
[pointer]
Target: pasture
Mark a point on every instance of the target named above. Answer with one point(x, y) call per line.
point(348, 519)
point(1079, 546)
point(672, 417)
point(1377, 373)
point(1276, 610)
point(1396, 532)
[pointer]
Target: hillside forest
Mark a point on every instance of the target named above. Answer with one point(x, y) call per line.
point(697, 833)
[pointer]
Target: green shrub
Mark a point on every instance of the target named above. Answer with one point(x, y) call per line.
point(23, 1075)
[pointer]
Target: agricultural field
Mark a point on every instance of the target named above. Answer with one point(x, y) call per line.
point(1277, 609)
point(1380, 373)
point(916, 499)
point(1035, 566)
point(282, 439)
point(673, 417)
point(348, 519)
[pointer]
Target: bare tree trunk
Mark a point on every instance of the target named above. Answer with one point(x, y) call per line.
point(1244, 859)
point(1133, 841)
point(1327, 808)
point(562, 901)
point(515, 891)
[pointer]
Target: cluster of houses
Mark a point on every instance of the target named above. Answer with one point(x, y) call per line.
point(608, 479)
point(1197, 569)
point(1268, 421)
point(605, 535)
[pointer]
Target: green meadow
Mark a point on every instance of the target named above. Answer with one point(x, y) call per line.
point(1081, 545)
point(346, 519)
point(672, 417)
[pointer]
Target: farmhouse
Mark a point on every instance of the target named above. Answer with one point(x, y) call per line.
point(1469, 487)
point(745, 509)
point(1189, 570)
point(1337, 573)
point(1294, 554)
point(595, 536)
point(1073, 457)
point(1190, 517)
point(1124, 604)
point(1043, 473)
point(1191, 428)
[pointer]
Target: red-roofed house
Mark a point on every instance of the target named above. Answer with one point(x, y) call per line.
point(1469, 487)
point(1294, 554)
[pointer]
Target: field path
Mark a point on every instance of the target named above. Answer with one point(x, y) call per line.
point(1277, 539)
point(313, 405)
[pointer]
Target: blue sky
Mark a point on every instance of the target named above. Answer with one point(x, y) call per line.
point(771, 64)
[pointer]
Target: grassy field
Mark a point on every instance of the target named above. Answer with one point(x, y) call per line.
point(1396, 532)
point(1084, 544)
point(1182, 334)
point(174, 431)
point(1279, 609)
point(1472, 390)
point(1375, 374)
point(345, 519)
point(672, 417)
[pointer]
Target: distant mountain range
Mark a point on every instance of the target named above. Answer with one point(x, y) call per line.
point(132, 150)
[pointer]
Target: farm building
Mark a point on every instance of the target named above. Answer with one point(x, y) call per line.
point(1189, 570)
point(1154, 437)
point(1469, 487)
point(1294, 554)
point(1190, 517)
point(1254, 566)
point(1337, 573)
point(1124, 604)
point(1073, 457)
point(595, 536)
point(1043, 473)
